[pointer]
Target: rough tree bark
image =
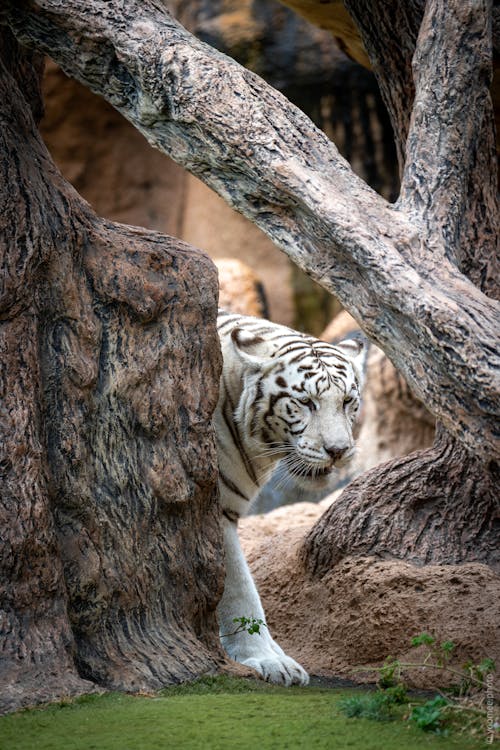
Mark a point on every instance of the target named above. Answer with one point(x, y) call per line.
point(440, 505)
point(110, 547)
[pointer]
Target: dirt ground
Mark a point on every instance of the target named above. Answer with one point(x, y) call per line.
point(366, 609)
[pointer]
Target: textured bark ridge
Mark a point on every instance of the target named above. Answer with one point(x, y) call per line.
point(110, 550)
point(440, 505)
point(434, 506)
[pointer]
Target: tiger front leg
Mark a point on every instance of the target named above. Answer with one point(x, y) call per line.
point(241, 599)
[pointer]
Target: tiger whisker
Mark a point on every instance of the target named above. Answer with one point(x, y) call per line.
point(295, 468)
point(284, 480)
point(264, 476)
point(273, 452)
point(292, 465)
point(266, 472)
point(275, 448)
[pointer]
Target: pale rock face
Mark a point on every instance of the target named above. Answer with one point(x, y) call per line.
point(240, 288)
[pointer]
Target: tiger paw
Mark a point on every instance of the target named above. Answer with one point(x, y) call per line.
point(278, 669)
point(262, 653)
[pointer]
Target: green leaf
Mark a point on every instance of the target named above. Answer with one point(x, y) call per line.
point(486, 666)
point(430, 716)
point(447, 646)
point(424, 639)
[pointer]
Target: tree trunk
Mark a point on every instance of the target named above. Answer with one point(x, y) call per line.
point(433, 506)
point(440, 505)
point(110, 547)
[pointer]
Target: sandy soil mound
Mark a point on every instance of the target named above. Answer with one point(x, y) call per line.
point(366, 608)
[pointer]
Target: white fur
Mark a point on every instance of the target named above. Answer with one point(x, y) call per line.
point(257, 361)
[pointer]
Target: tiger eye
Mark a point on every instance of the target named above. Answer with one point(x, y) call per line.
point(309, 403)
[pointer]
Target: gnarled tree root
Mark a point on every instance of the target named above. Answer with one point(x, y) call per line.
point(440, 505)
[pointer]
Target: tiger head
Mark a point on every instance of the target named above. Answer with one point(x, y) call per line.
point(299, 401)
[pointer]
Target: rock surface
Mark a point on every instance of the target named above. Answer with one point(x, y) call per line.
point(240, 289)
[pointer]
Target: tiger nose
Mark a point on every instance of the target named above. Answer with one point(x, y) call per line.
point(336, 452)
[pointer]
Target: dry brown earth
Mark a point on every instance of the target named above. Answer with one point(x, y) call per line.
point(366, 608)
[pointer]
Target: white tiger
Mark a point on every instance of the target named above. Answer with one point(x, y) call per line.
point(284, 396)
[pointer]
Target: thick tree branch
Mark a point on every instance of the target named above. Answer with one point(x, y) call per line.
point(452, 74)
point(450, 57)
point(390, 55)
point(267, 160)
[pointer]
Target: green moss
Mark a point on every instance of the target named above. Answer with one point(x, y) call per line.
point(213, 714)
point(220, 684)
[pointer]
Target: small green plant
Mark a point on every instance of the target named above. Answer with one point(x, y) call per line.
point(462, 706)
point(397, 693)
point(440, 653)
point(430, 715)
point(389, 674)
point(472, 676)
point(379, 706)
point(475, 674)
point(249, 624)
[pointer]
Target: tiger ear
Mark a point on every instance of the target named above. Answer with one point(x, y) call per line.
point(251, 349)
point(355, 350)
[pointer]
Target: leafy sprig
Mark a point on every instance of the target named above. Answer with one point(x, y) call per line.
point(249, 624)
point(437, 714)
